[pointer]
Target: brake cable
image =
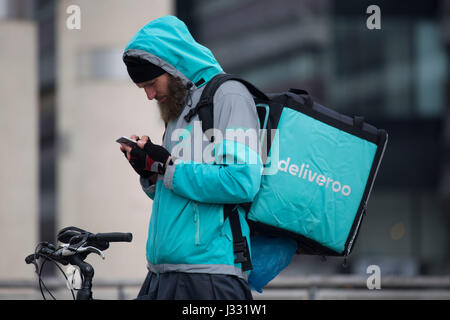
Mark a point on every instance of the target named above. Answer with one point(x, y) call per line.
point(39, 272)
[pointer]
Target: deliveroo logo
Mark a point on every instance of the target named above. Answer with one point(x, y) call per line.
point(304, 172)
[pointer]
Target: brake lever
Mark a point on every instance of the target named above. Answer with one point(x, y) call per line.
point(93, 250)
point(67, 250)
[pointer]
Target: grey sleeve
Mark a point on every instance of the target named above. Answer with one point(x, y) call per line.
point(234, 107)
point(148, 187)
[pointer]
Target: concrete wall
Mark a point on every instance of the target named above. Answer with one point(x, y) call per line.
point(19, 143)
point(97, 103)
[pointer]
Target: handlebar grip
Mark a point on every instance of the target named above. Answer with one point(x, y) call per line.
point(114, 237)
point(29, 259)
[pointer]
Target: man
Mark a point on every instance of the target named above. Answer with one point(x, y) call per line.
point(190, 243)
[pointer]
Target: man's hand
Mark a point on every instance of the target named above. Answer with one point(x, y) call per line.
point(127, 149)
point(154, 151)
point(138, 159)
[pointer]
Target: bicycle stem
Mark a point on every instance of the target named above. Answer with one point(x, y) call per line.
point(85, 293)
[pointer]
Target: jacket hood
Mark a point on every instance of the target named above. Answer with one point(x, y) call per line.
point(167, 43)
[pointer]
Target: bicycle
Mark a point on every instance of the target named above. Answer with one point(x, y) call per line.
point(76, 245)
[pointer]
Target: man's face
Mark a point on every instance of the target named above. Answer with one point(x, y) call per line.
point(170, 94)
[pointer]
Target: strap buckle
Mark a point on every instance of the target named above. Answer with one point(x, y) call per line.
point(240, 249)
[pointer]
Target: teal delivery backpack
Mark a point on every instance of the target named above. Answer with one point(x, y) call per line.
point(319, 170)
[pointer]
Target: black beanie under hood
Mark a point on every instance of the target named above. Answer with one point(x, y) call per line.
point(141, 70)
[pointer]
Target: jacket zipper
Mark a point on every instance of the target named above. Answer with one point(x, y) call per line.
point(154, 233)
point(197, 224)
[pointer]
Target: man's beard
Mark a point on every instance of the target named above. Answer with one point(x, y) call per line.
point(172, 106)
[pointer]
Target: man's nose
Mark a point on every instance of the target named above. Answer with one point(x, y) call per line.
point(151, 92)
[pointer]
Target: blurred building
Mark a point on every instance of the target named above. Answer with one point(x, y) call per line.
point(396, 77)
point(97, 190)
point(19, 131)
point(44, 13)
point(445, 171)
point(66, 98)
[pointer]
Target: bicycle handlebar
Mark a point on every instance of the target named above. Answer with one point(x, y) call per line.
point(78, 242)
point(113, 237)
point(77, 245)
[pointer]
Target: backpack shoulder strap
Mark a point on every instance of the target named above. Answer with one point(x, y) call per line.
point(205, 108)
point(240, 244)
point(205, 111)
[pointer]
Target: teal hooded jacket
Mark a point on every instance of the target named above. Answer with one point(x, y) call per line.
point(187, 230)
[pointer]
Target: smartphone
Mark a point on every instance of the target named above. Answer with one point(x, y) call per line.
point(127, 141)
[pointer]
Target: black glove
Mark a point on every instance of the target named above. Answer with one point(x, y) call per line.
point(156, 152)
point(140, 162)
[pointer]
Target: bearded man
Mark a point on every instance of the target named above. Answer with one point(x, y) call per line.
point(190, 252)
